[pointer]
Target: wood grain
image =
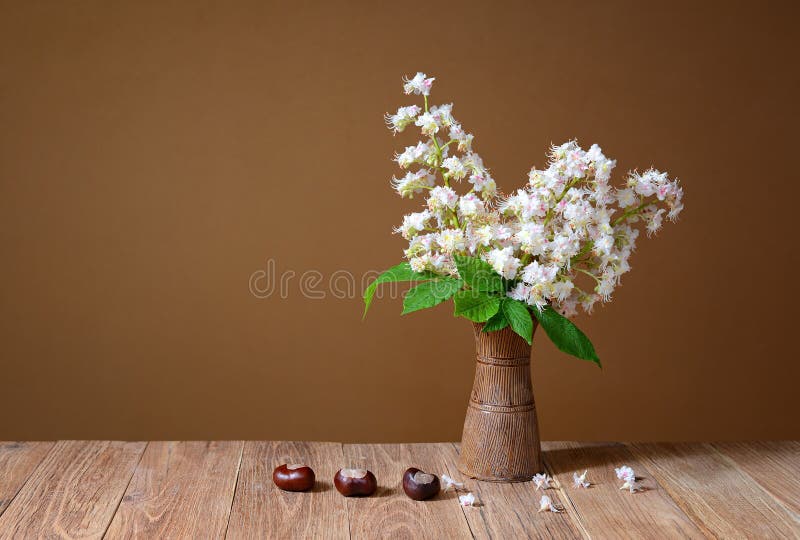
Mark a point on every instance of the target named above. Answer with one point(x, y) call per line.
point(389, 512)
point(509, 510)
point(715, 493)
point(74, 492)
point(604, 510)
point(261, 510)
point(180, 489)
point(17, 462)
point(774, 465)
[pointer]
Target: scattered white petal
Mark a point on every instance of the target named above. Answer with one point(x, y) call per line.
point(542, 481)
point(625, 473)
point(546, 504)
point(628, 478)
point(580, 481)
point(467, 500)
point(450, 483)
point(632, 485)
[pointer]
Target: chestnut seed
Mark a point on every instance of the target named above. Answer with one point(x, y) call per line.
point(355, 482)
point(420, 485)
point(293, 477)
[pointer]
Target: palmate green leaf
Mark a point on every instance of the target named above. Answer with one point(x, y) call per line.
point(430, 293)
point(518, 317)
point(475, 305)
point(479, 274)
point(497, 322)
point(565, 335)
point(401, 272)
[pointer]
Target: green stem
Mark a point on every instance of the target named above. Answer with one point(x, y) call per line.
point(588, 274)
point(633, 212)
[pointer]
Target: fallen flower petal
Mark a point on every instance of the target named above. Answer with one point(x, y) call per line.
point(632, 485)
point(450, 483)
point(625, 473)
point(546, 504)
point(467, 500)
point(542, 480)
point(580, 481)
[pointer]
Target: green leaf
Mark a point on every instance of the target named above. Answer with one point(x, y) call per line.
point(497, 322)
point(430, 294)
point(565, 335)
point(401, 272)
point(519, 317)
point(475, 305)
point(479, 274)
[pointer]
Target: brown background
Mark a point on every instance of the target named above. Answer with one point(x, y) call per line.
point(153, 156)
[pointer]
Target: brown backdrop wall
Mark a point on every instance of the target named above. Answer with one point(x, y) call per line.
point(153, 156)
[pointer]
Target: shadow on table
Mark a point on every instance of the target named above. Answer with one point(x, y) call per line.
point(603, 454)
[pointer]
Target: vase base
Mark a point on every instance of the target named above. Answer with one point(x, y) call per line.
point(495, 479)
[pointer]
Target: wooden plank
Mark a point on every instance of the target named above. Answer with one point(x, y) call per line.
point(717, 495)
point(510, 510)
point(604, 510)
point(180, 490)
point(74, 491)
point(389, 512)
point(17, 462)
point(261, 510)
point(774, 465)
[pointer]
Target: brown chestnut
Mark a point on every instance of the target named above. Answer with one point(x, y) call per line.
point(355, 482)
point(293, 477)
point(420, 485)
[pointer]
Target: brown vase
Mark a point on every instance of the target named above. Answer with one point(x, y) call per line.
point(500, 442)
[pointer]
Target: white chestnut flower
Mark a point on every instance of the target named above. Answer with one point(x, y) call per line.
point(580, 481)
point(427, 123)
point(413, 223)
point(546, 505)
point(471, 206)
point(455, 168)
point(504, 262)
point(405, 116)
point(413, 154)
point(451, 240)
point(567, 220)
point(419, 84)
point(628, 478)
point(443, 114)
point(413, 182)
point(625, 473)
point(467, 500)
point(462, 138)
point(442, 197)
point(542, 480)
point(449, 483)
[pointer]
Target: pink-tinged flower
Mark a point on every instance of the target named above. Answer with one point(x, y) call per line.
point(625, 473)
point(419, 84)
point(455, 168)
point(442, 197)
point(542, 481)
point(471, 206)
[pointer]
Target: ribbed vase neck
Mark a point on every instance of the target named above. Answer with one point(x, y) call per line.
point(502, 347)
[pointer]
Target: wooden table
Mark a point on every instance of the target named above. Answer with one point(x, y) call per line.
point(92, 489)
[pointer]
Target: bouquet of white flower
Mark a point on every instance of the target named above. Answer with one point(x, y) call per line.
point(560, 242)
